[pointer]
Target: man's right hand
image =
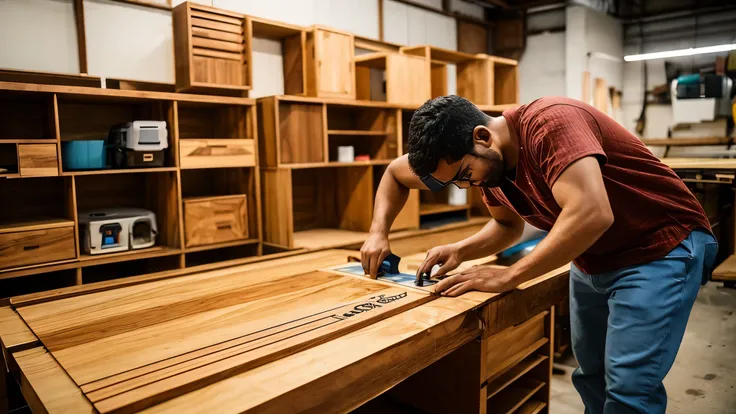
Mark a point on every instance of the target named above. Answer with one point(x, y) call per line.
point(447, 256)
point(373, 252)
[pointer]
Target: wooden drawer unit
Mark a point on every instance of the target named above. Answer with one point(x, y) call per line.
point(209, 220)
point(214, 153)
point(513, 344)
point(38, 160)
point(34, 243)
point(212, 48)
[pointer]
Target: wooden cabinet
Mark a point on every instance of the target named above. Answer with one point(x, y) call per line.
point(212, 48)
point(38, 160)
point(330, 65)
point(38, 242)
point(209, 220)
point(407, 78)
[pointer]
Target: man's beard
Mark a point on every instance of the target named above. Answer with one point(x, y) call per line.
point(496, 170)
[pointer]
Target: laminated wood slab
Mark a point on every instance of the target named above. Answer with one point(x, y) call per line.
point(14, 334)
point(171, 337)
point(726, 271)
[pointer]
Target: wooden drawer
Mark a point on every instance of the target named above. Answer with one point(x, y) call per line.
point(209, 220)
point(513, 344)
point(214, 153)
point(22, 248)
point(38, 160)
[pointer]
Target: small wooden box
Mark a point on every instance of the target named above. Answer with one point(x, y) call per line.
point(217, 153)
point(330, 64)
point(37, 242)
point(209, 220)
point(212, 48)
point(38, 160)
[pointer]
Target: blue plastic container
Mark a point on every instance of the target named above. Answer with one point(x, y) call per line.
point(83, 155)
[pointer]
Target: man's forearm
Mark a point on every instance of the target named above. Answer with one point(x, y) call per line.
point(390, 199)
point(573, 233)
point(491, 239)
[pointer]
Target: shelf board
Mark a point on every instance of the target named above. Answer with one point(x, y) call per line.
point(220, 245)
point(10, 175)
point(531, 407)
point(40, 224)
point(27, 141)
point(87, 260)
point(118, 171)
point(508, 377)
point(38, 268)
point(352, 132)
point(327, 238)
point(513, 398)
point(426, 209)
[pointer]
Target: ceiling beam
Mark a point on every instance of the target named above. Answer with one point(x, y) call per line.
point(498, 3)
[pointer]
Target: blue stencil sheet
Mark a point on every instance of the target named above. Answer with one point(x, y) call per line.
point(406, 279)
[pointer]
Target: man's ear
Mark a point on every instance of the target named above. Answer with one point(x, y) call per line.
point(482, 135)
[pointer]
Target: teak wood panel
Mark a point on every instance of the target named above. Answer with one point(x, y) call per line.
point(231, 324)
point(217, 153)
point(278, 222)
point(209, 220)
point(301, 133)
point(38, 160)
point(36, 246)
point(331, 68)
point(475, 81)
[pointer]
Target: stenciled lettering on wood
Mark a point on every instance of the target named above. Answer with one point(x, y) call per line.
point(375, 303)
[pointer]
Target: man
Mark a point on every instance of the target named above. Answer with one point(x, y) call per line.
point(639, 240)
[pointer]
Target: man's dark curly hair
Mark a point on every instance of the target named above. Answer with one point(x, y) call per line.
point(442, 129)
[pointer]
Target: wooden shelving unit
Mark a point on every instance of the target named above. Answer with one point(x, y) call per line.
point(43, 199)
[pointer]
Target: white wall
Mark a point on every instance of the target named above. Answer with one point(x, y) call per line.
point(588, 31)
point(542, 67)
point(39, 35)
point(407, 25)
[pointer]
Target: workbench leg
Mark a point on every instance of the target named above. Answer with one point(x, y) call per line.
point(4, 409)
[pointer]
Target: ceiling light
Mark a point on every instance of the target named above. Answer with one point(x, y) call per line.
point(680, 52)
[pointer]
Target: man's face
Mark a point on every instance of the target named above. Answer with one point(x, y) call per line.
point(484, 166)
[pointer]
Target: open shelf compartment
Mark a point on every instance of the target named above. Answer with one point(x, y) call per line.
point(370, 131)
point(156, 192)
point(316, 208)
point(26, 117)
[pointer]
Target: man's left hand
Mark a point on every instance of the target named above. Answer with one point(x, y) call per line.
point(482, 278)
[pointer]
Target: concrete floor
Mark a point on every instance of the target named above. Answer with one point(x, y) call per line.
point(703, 379)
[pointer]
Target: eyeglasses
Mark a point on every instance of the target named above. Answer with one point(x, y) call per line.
point(460, 181)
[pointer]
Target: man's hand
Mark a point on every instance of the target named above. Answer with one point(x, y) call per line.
point(482, 278)
point(373, 252)
point(447, 256)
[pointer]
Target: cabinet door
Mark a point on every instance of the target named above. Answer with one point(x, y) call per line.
point(335, 66)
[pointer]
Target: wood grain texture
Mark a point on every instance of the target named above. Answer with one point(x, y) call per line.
point(726, 271)
point(39, 371)
point(475, 81)
point(268, 138)
point(333, 64)
point(272, 29)
point(14, 334)
point(368, 362)
point(278, 222)
point(438, 76)
point(227, 320)
point(181, 19)
point(301, 133)
point(354, 198)
point(200, 23)
point(209, 220)
point(216, 153)
point(700, 163)
point(407, 80)
point(323, 238)
point(38, 160)
point(408, 217)
point(36, 246)
point(506, 84)
point(503, 349)
point(295, 64)
point(81, 35)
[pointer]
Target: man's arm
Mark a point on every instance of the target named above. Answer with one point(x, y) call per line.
point(501, 232)
point(586, 215)
point(390, 199)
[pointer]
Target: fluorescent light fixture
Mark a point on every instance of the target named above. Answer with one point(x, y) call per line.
point(680, 52)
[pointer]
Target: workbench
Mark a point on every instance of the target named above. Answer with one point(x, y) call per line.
point(287, 335)
point(722, 171)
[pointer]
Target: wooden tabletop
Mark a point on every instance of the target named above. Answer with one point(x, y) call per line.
point(285, 335)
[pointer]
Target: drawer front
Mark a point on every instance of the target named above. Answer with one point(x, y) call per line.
point(514, 344)
point(38, 160)
point(34, 247)
point(214, 153)
point(215, 220)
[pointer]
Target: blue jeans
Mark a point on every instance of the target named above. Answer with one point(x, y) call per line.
point(627, 326)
